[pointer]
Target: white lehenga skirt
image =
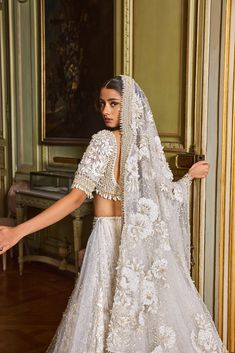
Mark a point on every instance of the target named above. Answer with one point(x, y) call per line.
point(85, 323)
point(84, 326)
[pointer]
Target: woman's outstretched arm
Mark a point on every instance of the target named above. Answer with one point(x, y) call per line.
point(9, 236)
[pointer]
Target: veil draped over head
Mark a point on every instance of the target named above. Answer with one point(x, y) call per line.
point(154, 253)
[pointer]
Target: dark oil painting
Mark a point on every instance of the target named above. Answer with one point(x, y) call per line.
point(77, 57)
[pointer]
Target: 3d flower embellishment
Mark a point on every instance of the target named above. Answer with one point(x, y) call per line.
point(130, 275)
point(144, 151)
point(177, 194)
point(167, 339)
point(163, 236)
point(148, 208)
point(159, 270)
point(139, 226)
point(204, 341)
point(132, 178)
point(167, 336)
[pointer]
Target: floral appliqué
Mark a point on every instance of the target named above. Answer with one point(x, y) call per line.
point(166, 337)
point(203, 340)
point(139, 226)
point(132, 178)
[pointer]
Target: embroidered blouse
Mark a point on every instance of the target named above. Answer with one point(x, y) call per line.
point(95, 172)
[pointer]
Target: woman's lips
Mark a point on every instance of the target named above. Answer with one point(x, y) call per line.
point(107, 120)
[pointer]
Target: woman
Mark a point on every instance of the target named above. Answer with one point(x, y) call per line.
point(134, 293)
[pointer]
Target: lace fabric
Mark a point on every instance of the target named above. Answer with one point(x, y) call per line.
point(156, 307)
point(84, 326)
point(135, 293)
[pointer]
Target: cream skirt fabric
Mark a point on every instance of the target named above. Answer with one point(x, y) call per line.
point(84, 326)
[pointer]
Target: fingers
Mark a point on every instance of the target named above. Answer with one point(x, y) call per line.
point(202, 163)
point(1, 243)
point(3, 249)
point(5, 242)
point(205, 173)
point(5, 245)
point(200, 169)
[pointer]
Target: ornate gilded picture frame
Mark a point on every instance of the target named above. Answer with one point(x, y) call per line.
point(77, 56)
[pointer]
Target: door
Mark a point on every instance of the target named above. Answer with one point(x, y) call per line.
point(162, 50)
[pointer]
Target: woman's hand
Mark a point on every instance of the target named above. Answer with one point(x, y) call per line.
point(8, 238)
point(199, 170)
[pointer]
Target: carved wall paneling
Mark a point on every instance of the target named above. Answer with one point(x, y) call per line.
point(222, 297)
point(2, 158)
point(182, 125)
point(24, 87)
point(226, 185)
point(5, 146)
point(231, 250)
point(211, 110)
point(118, 30)
point(160, 40)
point(199, 140)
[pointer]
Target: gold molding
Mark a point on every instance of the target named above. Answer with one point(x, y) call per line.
point(1, 74)
point(190, 65)
point(12, 78)
point(223, 169)
point(2, 194)
point(2, 158)
point(183, 91)
point(43, 68)
point(197, 197)
point(118, 40)
point(173, 146)
point(5, 126)
point(128, 37)
point(231, 264)
point(25, 120)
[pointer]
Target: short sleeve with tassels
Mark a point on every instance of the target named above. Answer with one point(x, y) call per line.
point(94, 162)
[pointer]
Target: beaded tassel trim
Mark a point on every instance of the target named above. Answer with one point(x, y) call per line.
point(108, 196)
point(88, 186)
point(83, 183)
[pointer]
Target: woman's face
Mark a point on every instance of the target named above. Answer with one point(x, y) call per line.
point(110, 106)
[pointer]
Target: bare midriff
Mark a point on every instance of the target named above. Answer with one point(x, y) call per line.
point(106, 208)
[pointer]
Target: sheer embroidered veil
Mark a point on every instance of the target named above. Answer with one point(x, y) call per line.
point(155, 221)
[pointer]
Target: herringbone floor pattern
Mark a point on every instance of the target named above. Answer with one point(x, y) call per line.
point(31, 306)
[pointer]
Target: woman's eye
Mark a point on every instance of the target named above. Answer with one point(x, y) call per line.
point(113, 104)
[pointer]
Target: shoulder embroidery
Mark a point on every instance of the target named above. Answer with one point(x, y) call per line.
point(94, 161)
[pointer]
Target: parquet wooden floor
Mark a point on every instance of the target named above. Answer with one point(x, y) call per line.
point(31, 306)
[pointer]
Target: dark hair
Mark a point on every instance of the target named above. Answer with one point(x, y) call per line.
point(114, 83)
